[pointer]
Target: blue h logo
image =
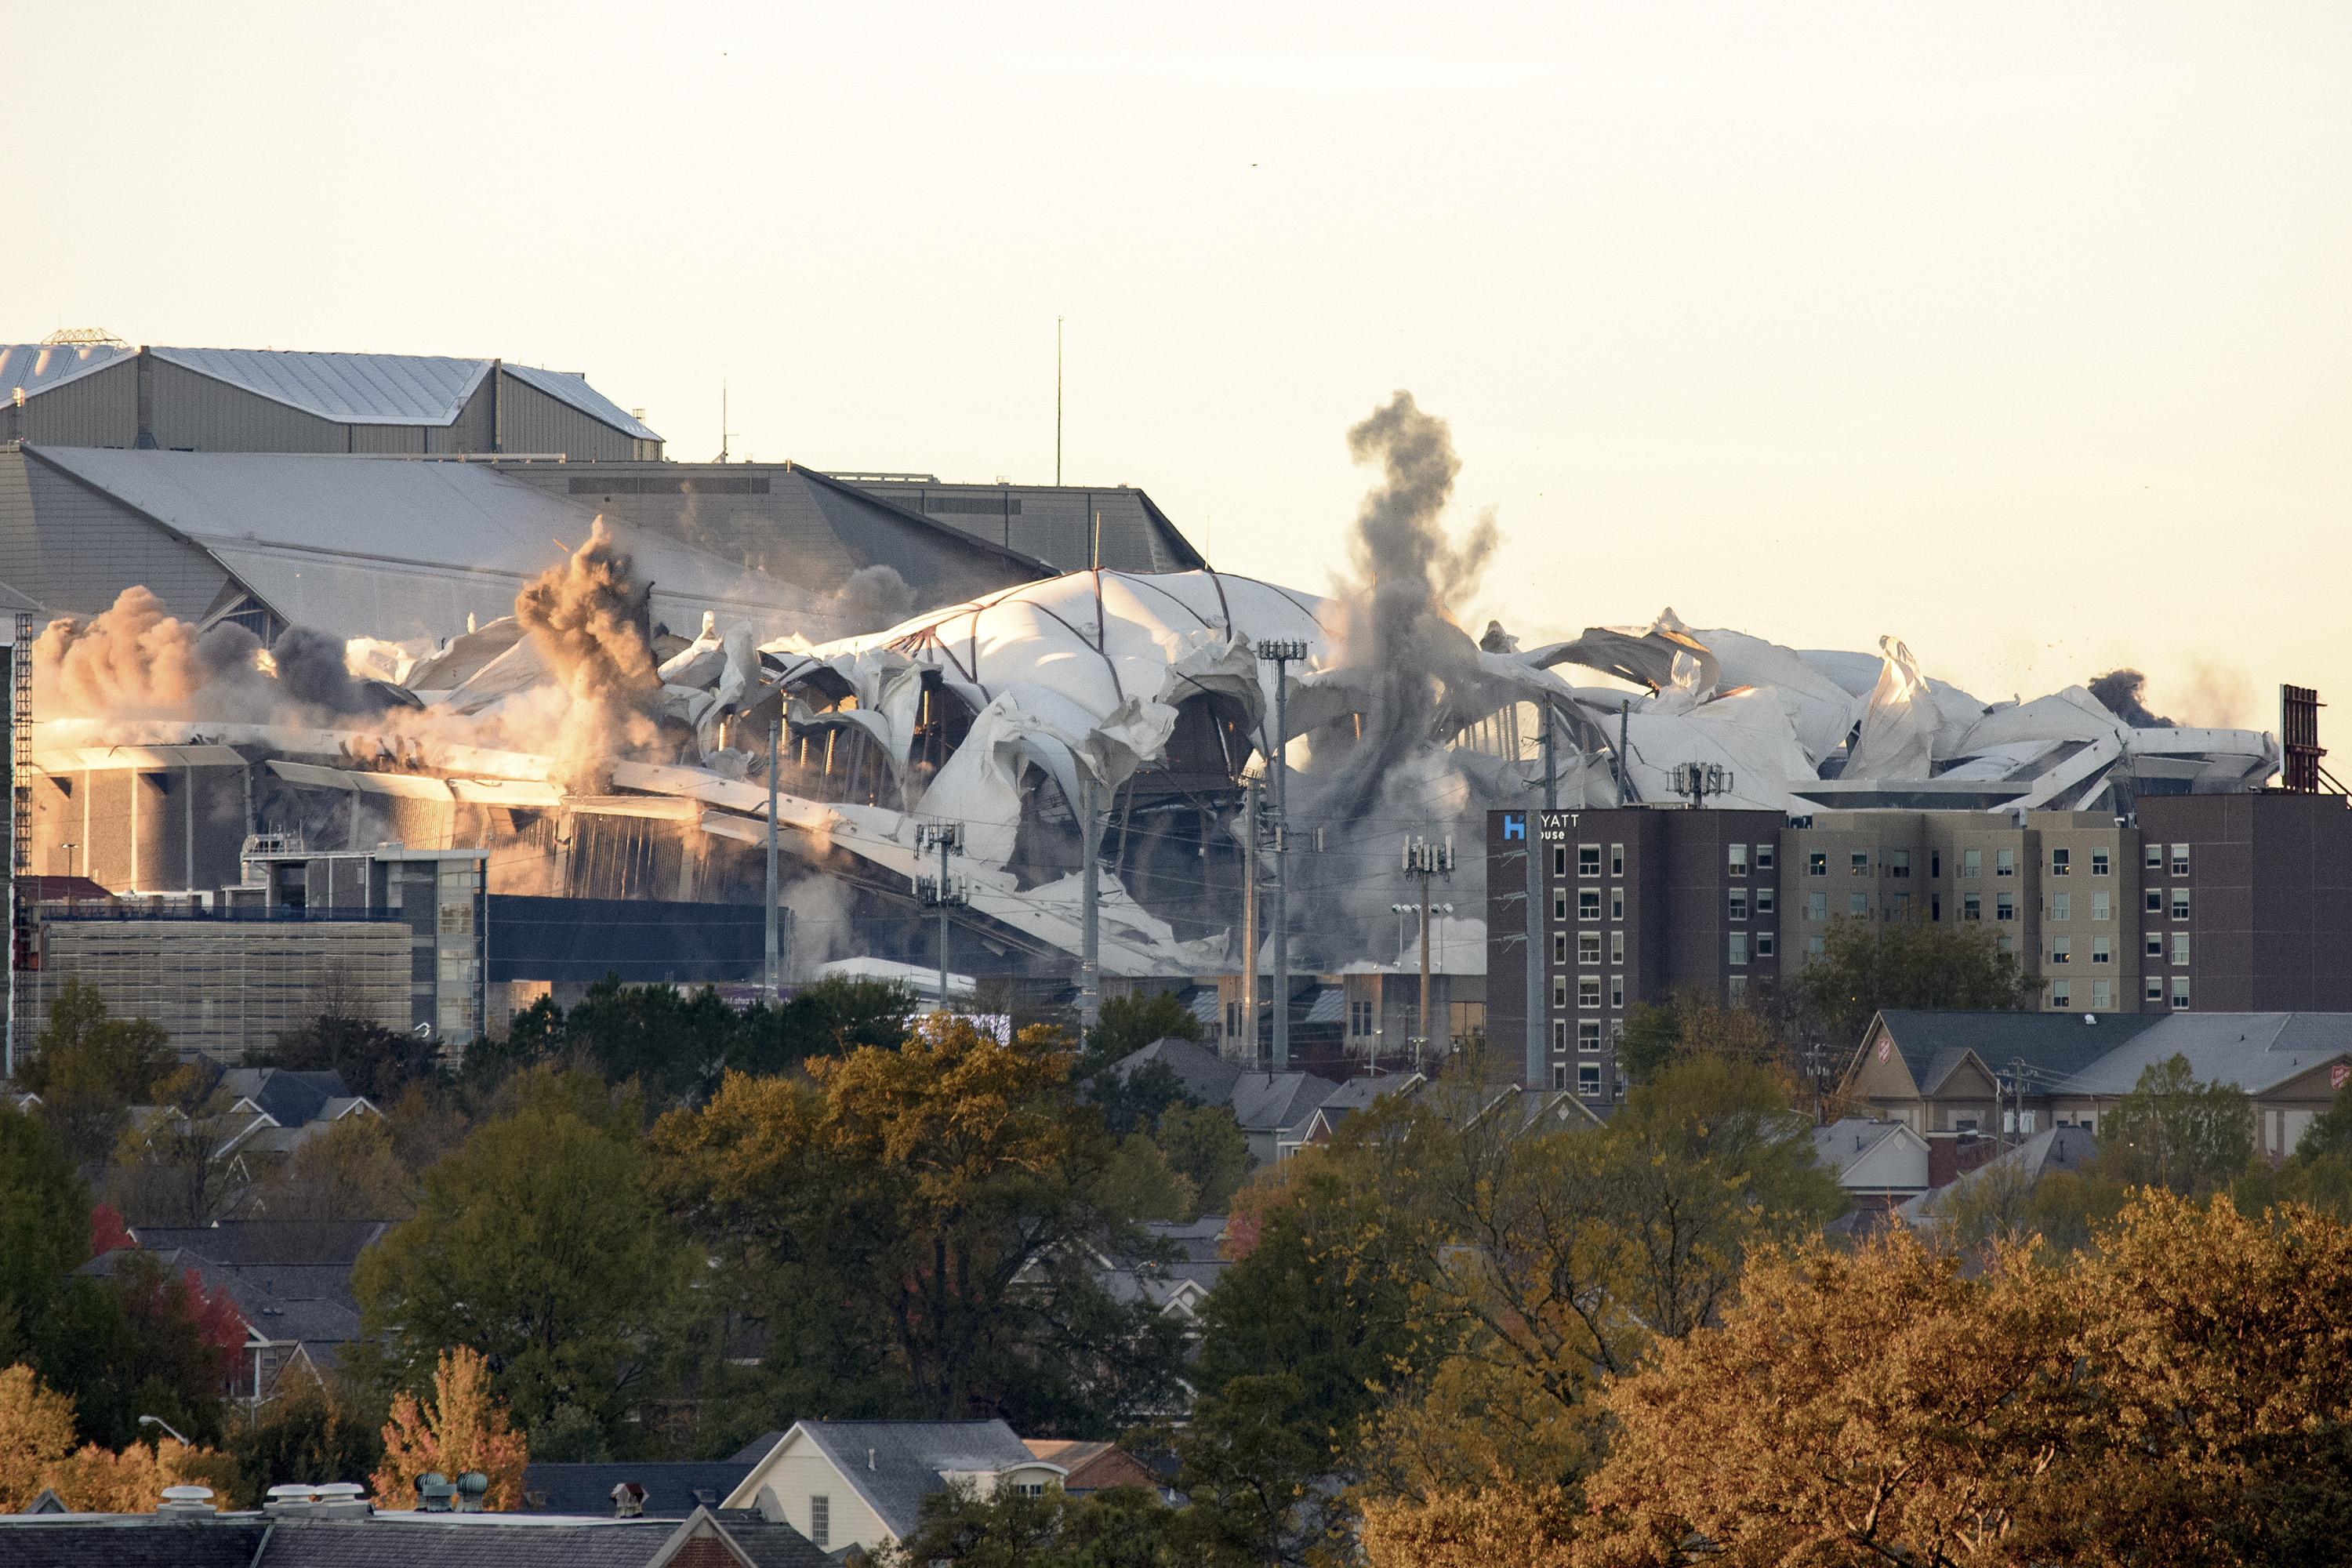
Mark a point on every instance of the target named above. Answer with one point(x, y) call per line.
point(1515, 825)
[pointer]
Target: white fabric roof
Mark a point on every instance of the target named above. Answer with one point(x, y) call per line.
point(43, 367)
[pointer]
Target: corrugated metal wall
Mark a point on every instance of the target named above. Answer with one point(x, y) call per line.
point(100, 409)
point(530, 421)
point(74, 551)
point(92, 811)
point(1054, 524)
point(195, 412)
point(472, 431)
point(406, 439)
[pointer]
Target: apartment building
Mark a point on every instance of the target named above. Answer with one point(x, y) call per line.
point(2218, 902)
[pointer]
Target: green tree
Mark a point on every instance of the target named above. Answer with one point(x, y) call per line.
point(1254, 1461)
point(915, 1230)
point(537, 1244)
point(1119, 1527)
point(89, 1068)
point(182, 1159)
point(1131, 1022)
point(1207, 1147)
point(1692, 1022)
point(2173, 1133)
point(373, 1060)
point(2329, 1134)
point(43, 1228)
point(313, 1432)
point(1932, 965)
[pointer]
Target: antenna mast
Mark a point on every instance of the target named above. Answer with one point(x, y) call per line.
point(1058, 402)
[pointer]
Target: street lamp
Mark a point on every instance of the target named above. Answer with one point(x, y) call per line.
point(159, 1421)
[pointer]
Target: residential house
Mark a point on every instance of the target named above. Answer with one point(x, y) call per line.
point(661, 1489)
point(1357, 1094)
point(1879, 1163)
point(862, 1483)
point(186, 1531)
point(1272, 1108)
point(1092, 1466)
point(1971, 1084)
point(2051, 1149)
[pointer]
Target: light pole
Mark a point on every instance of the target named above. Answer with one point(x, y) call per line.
point(1282, 652)
point(1425, 860)
point(943, 893)
point(775, 729)
point(159, 1421)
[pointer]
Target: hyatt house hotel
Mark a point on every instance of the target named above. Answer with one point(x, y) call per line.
point(2221, 903)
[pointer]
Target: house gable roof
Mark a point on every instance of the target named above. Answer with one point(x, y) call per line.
point(894, 1465)
point(1933, 1044)
point(1206, 1076)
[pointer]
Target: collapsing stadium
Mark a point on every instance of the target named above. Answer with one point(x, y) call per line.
point(609, 737)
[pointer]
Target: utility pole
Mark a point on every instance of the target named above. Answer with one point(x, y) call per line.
point(1425, 859)
point(1249, 915)
point(1090, 903)
point(775, 735)
point(944, 893)
point(1282, 652)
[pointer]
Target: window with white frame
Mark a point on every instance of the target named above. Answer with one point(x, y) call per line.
point(1560, 1037)
point(1560, 990)
point(2061, 995)
point(2152, 856)
point(1858, 862)
point(2102, 907)
point(1737, 988)
point(1616, 904)
point(2004, 862)
point(2061, 906)
point(1588, 1079)
point(2004, 906)
point(1764, 856)
point(2180, 993)
point(2103, 950)
point(1971, 906)
point(2181, 859)
point(1616, 947)
point(2180, 947)
point(1559, 905)
point(1587, 1035)
point(1588, 859)
point(1616, 991)
point(1587, 904)
point(1588, 991)
point(2180, 903)
point(1559, 947)
point(2098, 862)
point(2061, 863)
point(1764, 900)
point(2152, 901)
point(1738, 860)
point(1739, 947)
point(2155, 988)
point(1588, 947)
point(1616, 859)
point(1971, 862)
point(1559, 859)
point(1560, 1076)
point(1763, 944)
point(2100, 991)
point(2062, 950)
point(2154, 946)
point(1858, 905)
point(820, 1522)
point(1739, 903)
point(1817, 906)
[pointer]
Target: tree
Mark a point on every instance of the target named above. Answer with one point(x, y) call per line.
point(348, 1171)
point(2172, 1132)
point(538, 1245)
point(373, 1060)
point(2329, 1134)
point(1691, 1024)
point(37, 1453)
point(1252, 1463)
point(1934, 965)
point(466, 1428)
point(312, 1432)
point(915, 1230)
point(91, 1068)
point(44, 1226)
point(179, 1162)
point(1118, 1527)
point(1131, 1022)
point(1205, 1145)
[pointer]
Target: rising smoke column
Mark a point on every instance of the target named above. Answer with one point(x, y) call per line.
point(136, 660)
point(1401, 642)
point(587, 618)
point(2124, 693)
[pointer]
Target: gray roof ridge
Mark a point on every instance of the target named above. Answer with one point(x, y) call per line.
point(317, 410)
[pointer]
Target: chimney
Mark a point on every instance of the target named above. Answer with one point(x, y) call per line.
point(628, 1499)
point(188, 1502)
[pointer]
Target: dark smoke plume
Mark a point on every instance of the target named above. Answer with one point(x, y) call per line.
point(311, 671)
point(2122, 693)
point(1401, 642)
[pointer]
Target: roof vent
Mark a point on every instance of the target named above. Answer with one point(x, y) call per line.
point(2090, 1017)
point(869, 1459)
point(186, 1500)
point(435, 1493)
point(470, 1487)
point(628, 1499)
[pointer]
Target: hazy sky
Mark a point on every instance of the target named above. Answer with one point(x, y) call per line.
point(2019, 332)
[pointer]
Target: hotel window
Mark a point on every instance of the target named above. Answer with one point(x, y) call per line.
point(1763, 901)
point(1817, 906)
point(1559, 859)
point(2181, 859)
point(2180, 993)
point(2152, 856)
point(1817, 863)
point(2103, 950)
point(2180, 947)
point(1587, 1035)
point(1616, 859)
point(1934, 863)
point(1860, 861)
point(1901, 865)
point(2004, 943)
point(2098, 862)
point(1739, 859)
point(1971, 906)
point(2061, 906)
point(1560, 990)
point(1560, 1076)
point(1588, 947)
point(2062, 950)
point(1858, 905)
point(2155, 946)
point(1559, 906)
point(1739, 947)
point(1764, 856)
point(2102, 907)
point(1616, 947)
point(1588, 991)
point(1737, 986)
point(1763, 944)
point(1616, 991)
point(1560, 1037)
point(2058, 863)
point(2153, 900)
point(2061, 994)
point(2180, 903)
point(1616, 904)
point(1739, 903)
point(1360, 1019)
point(2102, 995)
point(1588, 1079)
point(1559, 947)
point(1815, 946)
point(1587, 904)
point(2004, 906)
point(1971, 863)
point(2004, 862)
point(2155, 992)
point(1588, 859)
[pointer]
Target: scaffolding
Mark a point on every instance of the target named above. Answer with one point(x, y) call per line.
point(20, 828)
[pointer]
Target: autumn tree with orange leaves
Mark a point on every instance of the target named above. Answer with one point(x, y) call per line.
point(465, 1428)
